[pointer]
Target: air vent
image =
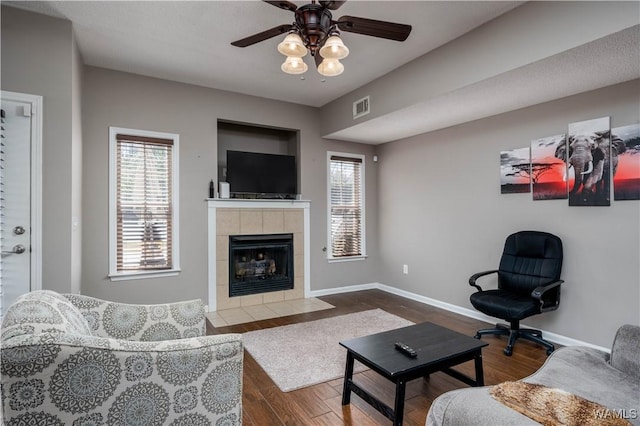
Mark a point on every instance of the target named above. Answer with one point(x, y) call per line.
point(361, 107)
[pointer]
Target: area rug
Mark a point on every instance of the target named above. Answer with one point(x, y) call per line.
point(300, 355)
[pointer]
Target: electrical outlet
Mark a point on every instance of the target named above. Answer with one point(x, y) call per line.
point(405, 269)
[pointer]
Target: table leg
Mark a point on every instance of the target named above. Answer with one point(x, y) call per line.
point(479, 371)
point(398, 409)
point(348, 376)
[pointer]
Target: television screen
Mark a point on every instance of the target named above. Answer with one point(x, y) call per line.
point(264, 175)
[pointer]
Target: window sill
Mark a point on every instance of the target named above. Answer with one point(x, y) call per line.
point(143, 275)
point(347, 259)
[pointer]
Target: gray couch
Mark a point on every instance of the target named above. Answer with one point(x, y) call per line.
point(611, 380)
point(75, 360)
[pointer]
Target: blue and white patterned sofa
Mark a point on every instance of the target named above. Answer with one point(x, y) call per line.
point(76, 360)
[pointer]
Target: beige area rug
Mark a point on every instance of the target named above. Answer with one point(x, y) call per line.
point(300, 355)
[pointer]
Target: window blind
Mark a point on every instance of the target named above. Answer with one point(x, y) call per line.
point(346, 206)
point(144, 203)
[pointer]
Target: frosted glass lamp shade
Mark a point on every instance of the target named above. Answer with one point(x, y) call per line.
point(330, 68)
point(334, 48)
point(294, 65)
point(292, 46)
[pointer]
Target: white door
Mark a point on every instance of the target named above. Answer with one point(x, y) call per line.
point(19, 195)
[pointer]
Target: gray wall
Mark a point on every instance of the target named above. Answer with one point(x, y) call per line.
point(38, 58)
point(430, 196)
point(76, 171)
point(125, 100)
point(441, 212)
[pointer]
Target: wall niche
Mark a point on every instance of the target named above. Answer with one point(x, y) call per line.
point(235, 136)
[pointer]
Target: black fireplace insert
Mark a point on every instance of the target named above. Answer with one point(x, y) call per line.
point(260, 263)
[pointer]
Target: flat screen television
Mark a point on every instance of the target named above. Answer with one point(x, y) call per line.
point(262, 175)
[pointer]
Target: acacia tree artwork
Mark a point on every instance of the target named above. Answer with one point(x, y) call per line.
point(515, 171)
point(548, 173)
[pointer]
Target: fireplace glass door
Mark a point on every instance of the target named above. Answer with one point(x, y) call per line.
point(260, 263)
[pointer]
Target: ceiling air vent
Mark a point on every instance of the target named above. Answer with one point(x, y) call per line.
point(361, 107)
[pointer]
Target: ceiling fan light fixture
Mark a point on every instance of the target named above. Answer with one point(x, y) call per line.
point(294, 65)
point(334, 48)
point(330, 67)
point(292, 45)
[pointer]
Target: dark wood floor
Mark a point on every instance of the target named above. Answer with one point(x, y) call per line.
point(265, 404)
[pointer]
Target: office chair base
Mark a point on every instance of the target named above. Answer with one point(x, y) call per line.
point(515, 332)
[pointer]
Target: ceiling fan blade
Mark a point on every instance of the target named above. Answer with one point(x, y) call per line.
point(332, 5)
point(372, 27)
point(264, 35)
point(283, 4)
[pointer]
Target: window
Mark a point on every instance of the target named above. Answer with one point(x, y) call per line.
point(143, 215)
point(346, 206)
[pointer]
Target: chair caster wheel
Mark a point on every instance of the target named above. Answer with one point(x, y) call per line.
point(508, 351)
point(549, 352)
point(477, 336)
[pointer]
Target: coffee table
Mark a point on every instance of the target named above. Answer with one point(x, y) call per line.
point(438, 349)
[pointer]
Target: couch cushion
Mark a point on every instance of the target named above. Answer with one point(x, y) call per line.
point(625, 352)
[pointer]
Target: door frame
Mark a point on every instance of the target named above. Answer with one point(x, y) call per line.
point(36, 181)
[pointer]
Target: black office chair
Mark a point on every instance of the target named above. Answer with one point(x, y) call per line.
point(528, 284)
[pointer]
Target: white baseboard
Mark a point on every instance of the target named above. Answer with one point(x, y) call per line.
point(347, 289)
point(552, 337)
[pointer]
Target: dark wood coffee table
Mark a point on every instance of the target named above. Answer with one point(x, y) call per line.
point(438, 349)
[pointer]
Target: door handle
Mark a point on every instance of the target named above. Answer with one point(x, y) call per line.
point(17, 249)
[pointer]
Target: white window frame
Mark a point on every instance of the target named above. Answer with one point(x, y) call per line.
point(114, 275)
point(363, 255)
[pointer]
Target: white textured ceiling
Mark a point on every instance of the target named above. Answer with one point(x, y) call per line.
point(189, 42)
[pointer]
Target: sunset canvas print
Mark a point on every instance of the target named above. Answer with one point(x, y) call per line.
point(514, 171)
point(625, 142)
point(548, 173)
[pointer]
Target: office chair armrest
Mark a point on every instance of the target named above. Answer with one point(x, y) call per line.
point(547, 304)
point(474, 277)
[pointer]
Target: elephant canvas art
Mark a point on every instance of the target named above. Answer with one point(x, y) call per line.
point(590, 162)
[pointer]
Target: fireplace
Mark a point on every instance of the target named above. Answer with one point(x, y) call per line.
point(233, 217)
point(260, 263)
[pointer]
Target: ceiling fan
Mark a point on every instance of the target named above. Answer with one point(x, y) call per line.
point(315, 30)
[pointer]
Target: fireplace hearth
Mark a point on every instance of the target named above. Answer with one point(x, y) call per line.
point(260, 263)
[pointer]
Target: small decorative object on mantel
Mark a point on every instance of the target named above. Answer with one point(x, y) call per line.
point(212, 189)
point(224, 190)
point(514, 171)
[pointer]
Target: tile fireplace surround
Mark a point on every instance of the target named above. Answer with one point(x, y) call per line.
point(255, 217)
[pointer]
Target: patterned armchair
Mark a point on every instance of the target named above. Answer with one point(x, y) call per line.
point(76, 360)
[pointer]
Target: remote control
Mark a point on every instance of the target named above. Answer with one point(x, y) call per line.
point(407, 350)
